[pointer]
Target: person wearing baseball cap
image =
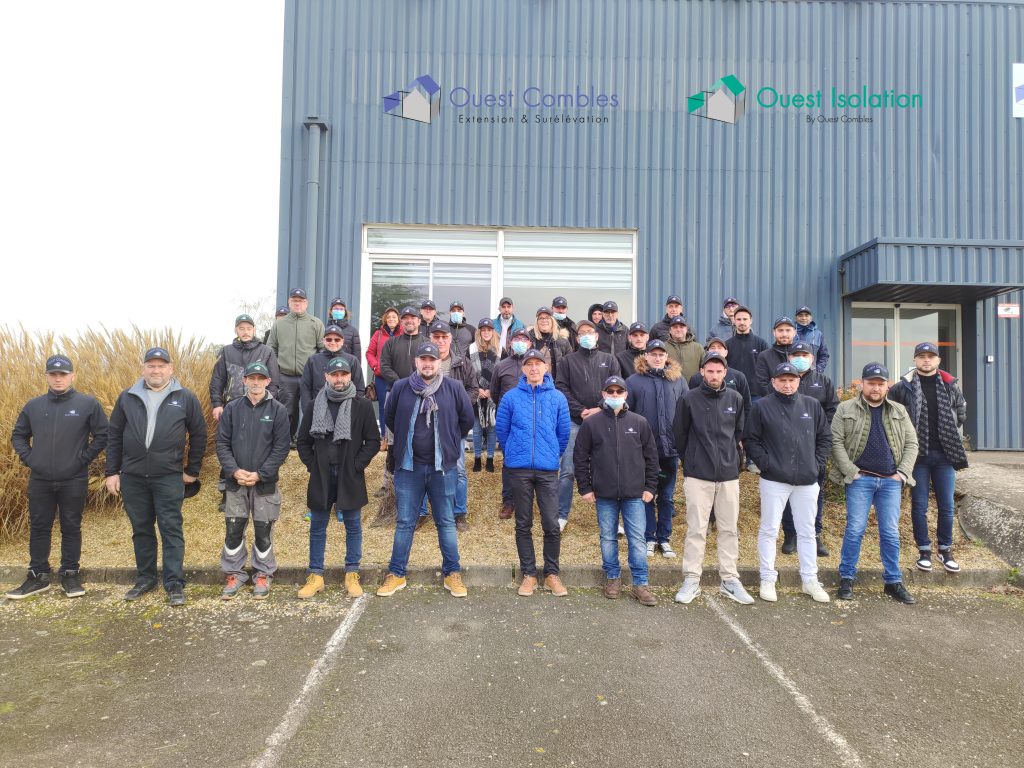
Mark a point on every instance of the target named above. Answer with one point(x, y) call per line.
point(504, 378)
point(784, 331)
point(294, 338)
point(532, 424)
point(313, 371)
point(723, 327)
point(278, 314)
point(579, 378)
point(338, 438)
point(397, 358)
point(147, 466)
point(874, 446)
point(744, 346)
point(57, 436)
point(485, 360)
point(937, 409)
point(788, 438)
point(462, 332)
point(549, 339)
point(506, 322)
point(253, 438)
point(807, 331)
point(683, 347)
point(734, 379)
point(339, 316)
point(612, 335)
point(673, 308)
point(560, 313)
point(819, 386)
point(429, 414)
point(616, 466)
point(635, 350)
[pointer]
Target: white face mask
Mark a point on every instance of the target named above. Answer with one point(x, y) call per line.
point(801, 363)
point(560, 316)
point(615, 402)
point(589, 341)
point(456, 317)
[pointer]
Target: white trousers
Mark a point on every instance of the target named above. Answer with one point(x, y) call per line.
point(803, 500)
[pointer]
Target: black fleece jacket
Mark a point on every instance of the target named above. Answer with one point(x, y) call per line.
point(788, 438)
point(708, 427)
point(58, 436)
point(615, 455)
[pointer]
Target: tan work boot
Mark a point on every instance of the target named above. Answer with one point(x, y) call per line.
point(528, 586)
point(555, 585)
point(612, 589)
point(314, 584)
point(643, 595)
point(352, 585)
point(454, 584)
point(391, 585)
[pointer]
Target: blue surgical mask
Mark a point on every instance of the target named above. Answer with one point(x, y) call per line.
point(615, 402)
point(560, 316)
point(456, 317)
point(338, 314)
point(801, 363)
point(519, 347)
point(589, 341)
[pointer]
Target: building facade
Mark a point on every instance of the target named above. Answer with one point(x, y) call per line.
point(863, 158)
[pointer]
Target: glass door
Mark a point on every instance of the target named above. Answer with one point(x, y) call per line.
point(888, 333)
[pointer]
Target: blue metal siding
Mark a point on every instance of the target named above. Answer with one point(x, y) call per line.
point(761, 209)
point(1001, 416)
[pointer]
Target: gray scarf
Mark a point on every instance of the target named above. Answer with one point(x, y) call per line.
point(426, 392)
point(322, 422)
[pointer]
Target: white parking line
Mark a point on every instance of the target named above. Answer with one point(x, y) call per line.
point(297, 711)
point(847, 754)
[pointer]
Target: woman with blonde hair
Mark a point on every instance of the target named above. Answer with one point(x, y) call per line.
point(483, 355)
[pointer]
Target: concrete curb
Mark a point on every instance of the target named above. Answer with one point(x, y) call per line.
point(581, 576)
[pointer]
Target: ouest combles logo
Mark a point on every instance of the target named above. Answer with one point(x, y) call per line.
point(533, 105)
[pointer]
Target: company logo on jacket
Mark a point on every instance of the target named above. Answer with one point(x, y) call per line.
point(175, 403)
point(805, 415)
point(729, 409)
point(72, 412)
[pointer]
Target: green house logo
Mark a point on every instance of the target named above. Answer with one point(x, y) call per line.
point(724, 101)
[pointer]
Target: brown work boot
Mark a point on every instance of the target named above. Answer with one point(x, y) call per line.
point(613, 588)
point(421, 521)
point(529, 584)
point(506, 512)
point(383, 445)
point(461, 524)
point(555, 585)
point(643, 595)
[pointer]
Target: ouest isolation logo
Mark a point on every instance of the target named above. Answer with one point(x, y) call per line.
point(726, 101)
point(535, 104)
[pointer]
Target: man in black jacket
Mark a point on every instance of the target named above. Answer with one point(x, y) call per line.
point(636, 349)
point(339, 316)
point(784, 330)
point(57, 436)
point(734, 378)
point(560, 313)
point(253, 438)
point(708, 426)
point(616, 467)
point(744, 346)
point(316, 366)
point(462, 332)
point(397, 359)
point(226, 379)
point(579, 378)
point(673, 308)
point(148, 429)
point(788, 437)
point(612, 335)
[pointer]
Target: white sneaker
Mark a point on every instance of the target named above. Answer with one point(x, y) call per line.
point(768, 591)
point(688, 592)
point(650, 548)
point(622, 530)
point(734, 590)
point(562, 522)
point(816, 591)
point(666, 550)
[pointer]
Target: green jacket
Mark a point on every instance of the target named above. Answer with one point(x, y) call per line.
point(686, 354)
point(294, 338)
point(850, 428)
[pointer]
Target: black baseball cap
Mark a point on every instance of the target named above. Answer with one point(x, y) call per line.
point(192, 489)
point(281, 311)
point(244, 319)
point(336, 302)
point(730, 300)
point(456, 303)
point(339, 364)
point(559, 301)
point(428, 350)
point(637, 327)
point(614, 381)
point(679, 320)
point(410, 311)
point(505, 300)
point(783, 321)
point(713, 356)
point(533, 354)
point(656, 344)
point(257, 368)
point(333, 330)
point(926, 347)
point(439, 327)
point(785, 369)
point(520, 332)
point(801, 310)
point(801, 346)
point(485, 322)
point(59, 364)
point(609, 306)
point(875, 371)
point(673, 299)
point(428, 304)
point(716, 340)
point(543, 311)
point(156, 353)
point(297, 293)
point(587, 322)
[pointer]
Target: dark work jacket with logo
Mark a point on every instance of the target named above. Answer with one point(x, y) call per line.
point(580, 378)
point(58, 436)
point(743, 351)
point(313, 375)
point(764, 368)
point(398, 356)
point(255, 438)
point(734, 379)
point(615, 456)
point(226, 379)
point(612, 339)
point(819, 386)
point(708, 427)
point(788, 438)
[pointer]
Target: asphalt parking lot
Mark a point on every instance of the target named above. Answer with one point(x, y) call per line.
point(422, 679)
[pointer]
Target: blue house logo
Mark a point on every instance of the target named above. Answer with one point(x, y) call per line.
point(422, 102)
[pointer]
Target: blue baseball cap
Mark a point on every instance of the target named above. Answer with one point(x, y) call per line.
point(59, 364)
point(333, 330)
point(297, 293)
point(614, 381)
point(533, 354)
point(785, 369)
point(783, 321)
point(156, 353)
point(875, 371)
point(926, 348)
point(428, 350)
point(673, 299)
point(656, 344)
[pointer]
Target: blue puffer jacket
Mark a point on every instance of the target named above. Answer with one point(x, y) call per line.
point(533, 425)
point(654, 397)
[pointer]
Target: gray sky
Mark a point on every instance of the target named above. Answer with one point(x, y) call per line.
point(140, 156)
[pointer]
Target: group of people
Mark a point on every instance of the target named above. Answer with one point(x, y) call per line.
point(593, 407)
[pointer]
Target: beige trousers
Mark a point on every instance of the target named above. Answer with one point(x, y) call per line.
point(701, 497)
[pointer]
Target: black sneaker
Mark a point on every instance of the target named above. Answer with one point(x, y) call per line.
point(71, 583)
point(478, 464)
point(788, 543)
point(33, 585)
point(845, 589)
point(924, 560)
point(899, 593)
point(141, 587)
point(176, 596)
point(822, 549)
point(946, 558)
point(489, 466)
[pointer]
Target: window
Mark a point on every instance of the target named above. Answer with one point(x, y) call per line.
point(888, 333)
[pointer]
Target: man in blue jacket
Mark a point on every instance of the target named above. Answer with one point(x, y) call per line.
point(533, 427)
point(428, 413)
point(807, 331)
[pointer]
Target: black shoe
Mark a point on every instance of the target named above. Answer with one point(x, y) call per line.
point(33, 585)
point(223, 502)
point(788, 543)
point(845, 589)
point(490, 463)
point(140, 588)
point(461, 524)
point(71, 583)
point(946, 558)
point(176, 596)
point(924, 560)
point(822, 549)
point(478, 465)
point(898, 592)
point(292, 446)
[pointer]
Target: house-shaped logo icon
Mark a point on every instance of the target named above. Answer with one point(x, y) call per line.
point(422, 102)
point(1018, 90)
point(724, 102)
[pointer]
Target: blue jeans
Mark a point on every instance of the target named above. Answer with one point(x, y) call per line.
point(885, 494)
point(478, 439)
point(383, 386)
point(318, 539)
point(934, 468)
point(461, 490)
point(661, 510)
point(634, 518)
point(410, 486)
point(566, 477)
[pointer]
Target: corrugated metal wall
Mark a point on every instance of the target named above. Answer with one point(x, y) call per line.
point(761, 209)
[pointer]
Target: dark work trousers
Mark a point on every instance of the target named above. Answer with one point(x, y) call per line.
point(525, 483)
point(290, 396)
point(156, 499)
point(47, 499)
